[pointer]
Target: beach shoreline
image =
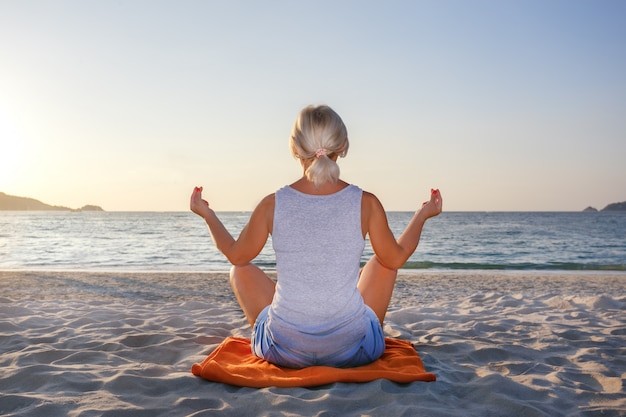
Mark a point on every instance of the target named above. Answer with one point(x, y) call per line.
point(530, 343)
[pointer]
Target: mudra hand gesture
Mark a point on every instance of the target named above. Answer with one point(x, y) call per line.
point(197, 204)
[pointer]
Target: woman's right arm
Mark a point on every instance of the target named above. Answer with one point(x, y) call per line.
point(252, 238)
point(390, 252)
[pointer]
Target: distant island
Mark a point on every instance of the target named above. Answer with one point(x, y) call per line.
point(14, 203)
point(611, 207)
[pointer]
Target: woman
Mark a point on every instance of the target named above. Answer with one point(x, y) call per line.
point(323, 310)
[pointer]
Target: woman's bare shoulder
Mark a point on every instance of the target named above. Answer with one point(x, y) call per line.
point(264, 213)
point(370, 201)
point(268, 202)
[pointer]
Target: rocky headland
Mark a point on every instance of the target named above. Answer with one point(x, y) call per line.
point(15, 203)
point(611, 207)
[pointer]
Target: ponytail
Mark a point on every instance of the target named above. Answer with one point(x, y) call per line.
point(318, 134)
point(322, 169)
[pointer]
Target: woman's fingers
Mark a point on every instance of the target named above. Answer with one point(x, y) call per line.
point(196, 199)
point(435, 201)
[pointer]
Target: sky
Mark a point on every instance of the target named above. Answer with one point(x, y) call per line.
point(502, 105)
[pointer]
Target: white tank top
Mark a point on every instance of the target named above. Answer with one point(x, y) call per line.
point(318, 243)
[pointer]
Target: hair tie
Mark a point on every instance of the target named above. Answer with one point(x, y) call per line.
point(321, 152)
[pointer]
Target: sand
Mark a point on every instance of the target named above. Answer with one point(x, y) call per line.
point(500, 343)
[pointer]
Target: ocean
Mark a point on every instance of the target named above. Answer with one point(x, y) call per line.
point(179, 241)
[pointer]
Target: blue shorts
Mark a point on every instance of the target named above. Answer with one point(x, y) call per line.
point(367, 350)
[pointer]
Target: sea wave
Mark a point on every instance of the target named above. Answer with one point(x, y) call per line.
point(552, 266)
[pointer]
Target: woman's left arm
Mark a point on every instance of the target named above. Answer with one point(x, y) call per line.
point(250, 242)
point(390, 252)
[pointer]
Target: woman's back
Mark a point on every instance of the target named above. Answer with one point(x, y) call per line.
point(318, 242)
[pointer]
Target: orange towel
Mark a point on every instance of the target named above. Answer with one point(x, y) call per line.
point(233, 362)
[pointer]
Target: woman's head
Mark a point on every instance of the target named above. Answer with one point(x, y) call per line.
point(319, 137)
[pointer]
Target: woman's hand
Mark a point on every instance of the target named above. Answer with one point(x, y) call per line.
point(433, 207)
point(198, 205)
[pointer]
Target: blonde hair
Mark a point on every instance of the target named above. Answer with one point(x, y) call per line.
point(318, 134)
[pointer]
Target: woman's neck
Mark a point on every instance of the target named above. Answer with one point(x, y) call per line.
point(307, 187)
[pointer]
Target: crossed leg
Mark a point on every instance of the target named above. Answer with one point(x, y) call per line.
point(253, 288)
point(376, 285)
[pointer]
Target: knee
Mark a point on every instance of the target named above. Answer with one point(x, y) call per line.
point(235, 272)
point(239, 272)
point(383, 269)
